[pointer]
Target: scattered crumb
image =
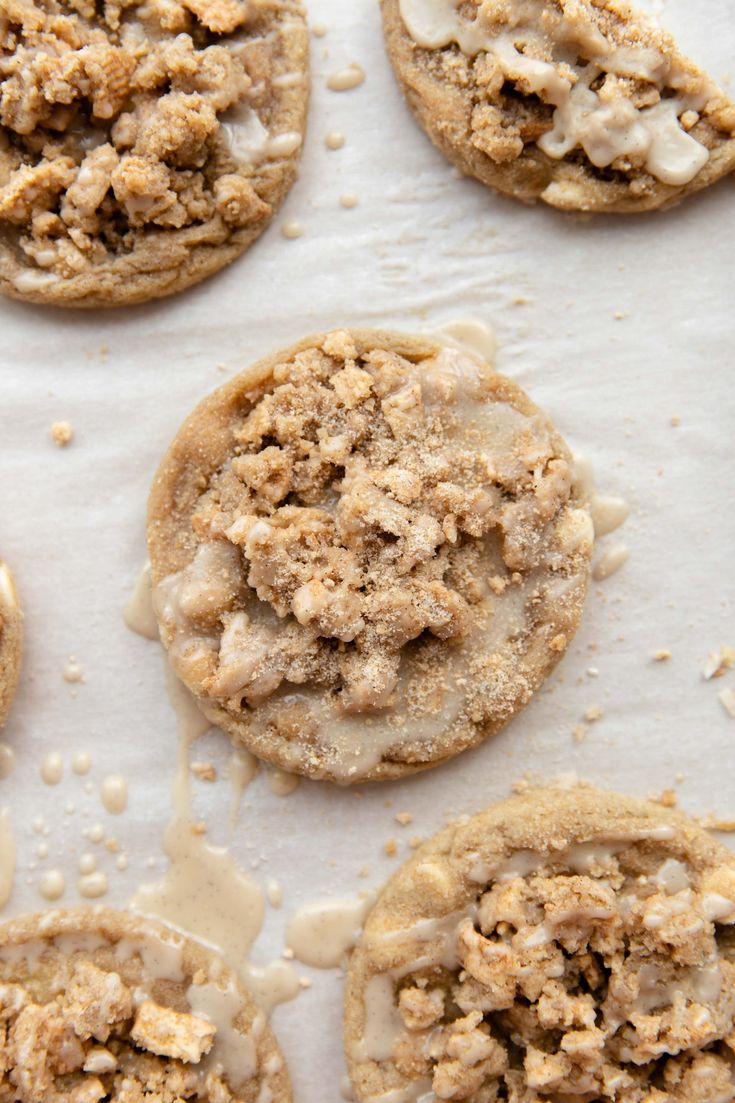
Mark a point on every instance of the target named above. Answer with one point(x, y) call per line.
point(579, 732)
point(391, 848)
point(334, 140)
point(593, 714)
point(404, 818)
point(520, 300)
point(222, 367)
point(619, 315)
point(676, 421)
point(415, 841)
point(62, 433)
point(662, 656)
point(593, 672)
point(304, 982)
point(319, 30)
point(667, 798)
point(205, 771)
point(727, 700)
point(679, 779)
point(712, 823)
point(718, 662)
point(112, 845)
point(288, 954)
point(349, 201)
point(364, 871)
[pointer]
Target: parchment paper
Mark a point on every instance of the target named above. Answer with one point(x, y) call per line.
point(422, 248)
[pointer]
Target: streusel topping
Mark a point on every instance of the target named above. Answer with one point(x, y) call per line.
point(381, 532)
point(603, 971)
point(119, 1011)
point(128, 119)
point(592, 83)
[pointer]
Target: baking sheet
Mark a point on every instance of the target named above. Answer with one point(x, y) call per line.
point(422, 248)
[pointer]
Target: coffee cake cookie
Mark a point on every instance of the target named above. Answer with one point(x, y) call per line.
point(11, 640)
point(98, 1005)
point(144, 144)
point(562, 945)
point(584, 104)
point(367, 552)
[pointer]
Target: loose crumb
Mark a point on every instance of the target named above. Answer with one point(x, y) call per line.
point(579, 732)
point(718, 663)
point(712, 823)
point(415, 841)
point(349, 201)
point(593, 714)
point(334, 140)
point(676, 421)
point(62, 433)
point(727, 700)
point(667, 798)
point(304, 982)
point(288, 954)
point(662, 656)
point(391, 848)
point(619, 315)
point(363, 872)
point(319, 30)
point(205, 771)
point(404, 818)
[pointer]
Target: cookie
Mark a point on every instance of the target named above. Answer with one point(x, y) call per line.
point(143, 145)
point(562, 945)
point(584, 104)
point(97, 1004)
point(11, 640)
point(368, 551)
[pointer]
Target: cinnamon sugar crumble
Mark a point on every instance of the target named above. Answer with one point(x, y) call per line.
point(360, 512)
point(115, 124)
point(77, 1035)
point(609, 978)
point(62, 433)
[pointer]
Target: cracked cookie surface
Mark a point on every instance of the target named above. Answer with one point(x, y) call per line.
point(144, 144)
point(97, 1005)
point(583, 104)
point(367, 553)
point(562, 945)
point(11, 640)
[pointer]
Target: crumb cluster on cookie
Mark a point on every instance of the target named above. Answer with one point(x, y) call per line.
point(563, 945)
point(11, 640)
point(367, 554)
point(97, 1005)
point(585, 104)
point(143, 143)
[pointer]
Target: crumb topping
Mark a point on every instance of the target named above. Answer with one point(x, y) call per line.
point(583, 81)
point(86, 1021)
point(374, 509)
point(598, 974)
point(131, 117)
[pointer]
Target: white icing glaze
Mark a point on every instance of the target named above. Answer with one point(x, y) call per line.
point(272, 984)
point(7, 761)
point(52, 769)
point(383, 1023)
point(114, 794)
point(139, 614)
point(7, 858)
point(605, 130)
point(475, 335)
point(323, 932)
point(233, 1052)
